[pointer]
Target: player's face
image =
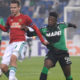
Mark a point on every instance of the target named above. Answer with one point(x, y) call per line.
point(52, 21)
point(15, 9)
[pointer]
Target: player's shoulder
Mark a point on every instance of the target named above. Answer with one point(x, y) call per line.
point(25, 16)
point(61, 23)
point(9, 17)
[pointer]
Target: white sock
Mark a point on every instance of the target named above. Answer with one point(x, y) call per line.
point(12, 75)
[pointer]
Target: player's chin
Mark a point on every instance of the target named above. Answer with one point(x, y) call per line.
point(13, 14)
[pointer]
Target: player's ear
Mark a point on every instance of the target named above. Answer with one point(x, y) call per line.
point(19, 7)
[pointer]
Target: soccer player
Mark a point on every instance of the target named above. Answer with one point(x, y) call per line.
point(1, 22)
point(15, 50)
point(54, 34)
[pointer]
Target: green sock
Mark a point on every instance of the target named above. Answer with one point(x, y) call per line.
point(69, 78)
point(13, 68)
point(6, 73)
point(45, 70)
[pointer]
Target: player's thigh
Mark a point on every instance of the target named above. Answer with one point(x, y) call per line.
point(20, 49)
point(7, 55)
point(50, 59)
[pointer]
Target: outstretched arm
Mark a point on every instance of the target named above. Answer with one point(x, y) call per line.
point(33, 33)
point(32, 25)
point(3, 28)
point(72, 25)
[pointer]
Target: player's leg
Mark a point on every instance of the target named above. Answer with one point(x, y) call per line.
point(4, 69)
point(13, 66)
point(6, 60)
point(0, 45)
point(49, 62)
point(13, 61)
point(18, 53)
point(47, 65)
point(30, 50)
point(67, 72)
point(65, 63)
point(29, 41)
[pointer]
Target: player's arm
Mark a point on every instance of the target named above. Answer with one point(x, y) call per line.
point(66, 25)
point(72, 25)
point(32, 25)
point(4, 28)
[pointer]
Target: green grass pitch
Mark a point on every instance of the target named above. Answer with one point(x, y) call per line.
point(30, 69)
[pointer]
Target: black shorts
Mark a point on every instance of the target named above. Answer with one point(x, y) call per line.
point(61, 55)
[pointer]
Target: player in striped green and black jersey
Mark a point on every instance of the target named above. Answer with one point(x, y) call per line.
point(54, 34)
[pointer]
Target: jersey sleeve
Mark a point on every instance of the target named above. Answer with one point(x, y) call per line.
point(4, 28)
point(32, 25)
point(28, 21)
point(63, 25)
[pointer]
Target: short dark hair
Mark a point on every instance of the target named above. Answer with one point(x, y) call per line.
point(16, 1)
point(54, 14)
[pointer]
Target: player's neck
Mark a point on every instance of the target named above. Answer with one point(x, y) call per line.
point(17, 14)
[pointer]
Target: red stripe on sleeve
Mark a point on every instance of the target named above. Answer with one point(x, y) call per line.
point(3, 28)
point(38, 33)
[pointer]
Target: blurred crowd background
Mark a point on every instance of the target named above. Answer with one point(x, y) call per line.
point(38, 10)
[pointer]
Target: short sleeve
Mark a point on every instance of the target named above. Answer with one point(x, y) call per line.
point(63, 25)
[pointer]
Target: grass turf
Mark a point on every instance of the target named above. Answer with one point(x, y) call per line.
point(30, 69)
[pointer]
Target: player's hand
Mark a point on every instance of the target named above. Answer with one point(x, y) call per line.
point(25, 28)
point(45, 43)
point(74, 26)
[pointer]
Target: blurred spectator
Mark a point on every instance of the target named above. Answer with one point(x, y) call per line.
point(74, 3)
point(42, 11)
point(1, 22)
point(27, 3)
point(32, 3)
point(4, 8)
point(56, 6)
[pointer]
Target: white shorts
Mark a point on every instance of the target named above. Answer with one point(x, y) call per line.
point(16, 48)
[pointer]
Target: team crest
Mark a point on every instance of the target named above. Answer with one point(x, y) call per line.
point(20, 20)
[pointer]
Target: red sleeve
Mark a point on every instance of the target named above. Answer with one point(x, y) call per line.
point(38, 33)
point(32, 25)
point(28, 21)
point(4, 28)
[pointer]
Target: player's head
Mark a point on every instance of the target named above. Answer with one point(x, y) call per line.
point(15, 7)
point(52, 19)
